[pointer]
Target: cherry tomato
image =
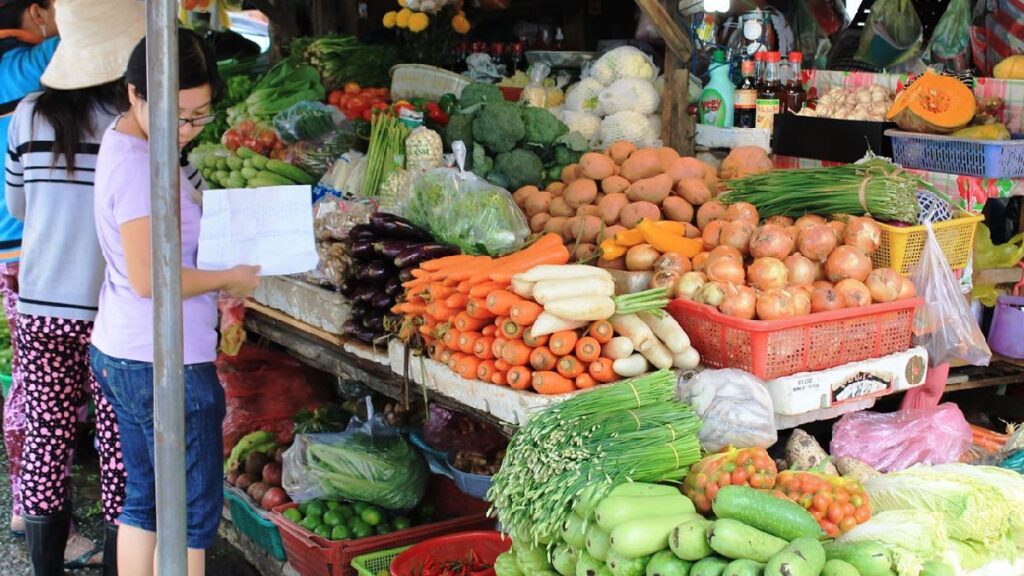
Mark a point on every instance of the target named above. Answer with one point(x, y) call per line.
point(818, 515)
point(701, 502)
point(739, 476)
point(711, 492)
point(835, 512)
point(847, 524)
point(842, 496)
point(758, 480)
point(806, 501)
point(794, 494)
point(783, 481)
point(724, 480)
point(352, 88)
point(763, 462)
point(701, 480)
point(822, 502)
point(856, 500)
point(830, 528)
point(334, 97)
point(849, 510)
point(862, 514)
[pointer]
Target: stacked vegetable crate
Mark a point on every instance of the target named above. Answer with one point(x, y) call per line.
point(253, 522)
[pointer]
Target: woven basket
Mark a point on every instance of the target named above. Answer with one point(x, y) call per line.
point(422, 81)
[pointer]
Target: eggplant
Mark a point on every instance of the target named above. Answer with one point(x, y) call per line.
point(362, 272)
point(418, 254)
point(393, 286)
point(350, 327)
point(365, 295)
point(405, 274)
point(365, 335)
point(392, 248)
point(383, 301)
point(348, 287)
point(362, 250)
point(362, 232)
point(391, 226)
point(379, 271)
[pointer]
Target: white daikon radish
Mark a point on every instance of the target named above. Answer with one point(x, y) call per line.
point(522, 287)
point(687, 359)
point(667, 330)
point(635, 365)
point(618, 348)
point(550, 290)
point(632, 327)
point(548, 323)
point(658, 355)
point(585, 308)
point(561, 272)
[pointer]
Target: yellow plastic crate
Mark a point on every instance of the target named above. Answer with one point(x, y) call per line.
point(901, 247)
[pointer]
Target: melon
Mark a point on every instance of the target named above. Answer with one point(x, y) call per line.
point(983, 132)
point(1011, 68)
point(933, 104)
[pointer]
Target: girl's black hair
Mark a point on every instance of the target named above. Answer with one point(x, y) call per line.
point(71, 114)
point(197, 65)
point(12, 12)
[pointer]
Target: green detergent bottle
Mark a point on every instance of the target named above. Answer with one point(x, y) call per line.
point(716, 100)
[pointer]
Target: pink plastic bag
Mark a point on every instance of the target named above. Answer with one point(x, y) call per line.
point(897, 441)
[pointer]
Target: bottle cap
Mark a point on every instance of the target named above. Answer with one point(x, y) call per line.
point(748, 66)
point(796, 57)
point(718, 57)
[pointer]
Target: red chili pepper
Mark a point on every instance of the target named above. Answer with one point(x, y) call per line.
point(436, 114)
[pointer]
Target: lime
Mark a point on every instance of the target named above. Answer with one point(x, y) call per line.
point(401, 523)
point(332, 504)
point(332, 518)
point(426, 510)
point(315, 507)
point(361, 529)
point(341, 533)
point(293, 514)
point(323, 531)
point(372, 516)
point(311, 522)
point(303, 507)
point(383, 528)
point(360, 506)
point(345, 511)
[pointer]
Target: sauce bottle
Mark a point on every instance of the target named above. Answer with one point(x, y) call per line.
point(794, 93)
point(745, 115)
point(769, 96)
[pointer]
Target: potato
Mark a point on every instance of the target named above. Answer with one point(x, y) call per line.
point(711, 179)
point(610, 206)
point(855, 469)
point(632, 214)
point(614, 185)
point(677, 209)
point(653, 190)
point(538, 221)
point(570, 173)
point(588, 210)
point(686, 167)
point(536, 203)
point(572, 225)
point(694, 191)
point(556, 188)
point(617, 264)
point(610, 231)
point(596, 166)
point(579, 192)
point(585, 252)
point(620, 151)
point(558, 207)
point(520, 196)
point(643, 163)
point(667, 156)
point(583, 228)
point(556, 224)
point(713, 210)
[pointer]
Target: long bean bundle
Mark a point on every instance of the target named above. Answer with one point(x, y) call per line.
point(386, 153)
point(876, 187)
point(579, 449)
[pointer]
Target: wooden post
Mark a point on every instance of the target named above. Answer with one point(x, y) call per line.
point(677, 126)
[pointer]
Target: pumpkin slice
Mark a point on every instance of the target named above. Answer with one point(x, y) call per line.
point(934, 104)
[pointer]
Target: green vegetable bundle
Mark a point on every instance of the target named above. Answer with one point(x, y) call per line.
point(341, 59)
point(283, 86)
point(245, 168)
point(386, 152)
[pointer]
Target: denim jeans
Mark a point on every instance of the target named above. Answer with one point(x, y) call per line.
point(128, 386)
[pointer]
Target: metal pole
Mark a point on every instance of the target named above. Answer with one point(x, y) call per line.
point(168, 354)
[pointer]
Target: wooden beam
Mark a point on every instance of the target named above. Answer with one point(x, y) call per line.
point(676, 124)
point(675, 37)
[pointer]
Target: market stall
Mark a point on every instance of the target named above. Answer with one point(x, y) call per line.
point(644, 311)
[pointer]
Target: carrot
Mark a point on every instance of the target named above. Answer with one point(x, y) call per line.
point(519, 377)
point(467, 367)
point(532, 341)
point(602, 331)
point(412, 309)
point(453, 361)
point(444, 355)
point(500, 302)
point(501, 365)
point(476, 308)
point(525, 312)
point(588, 349)
point(562, 343)
point(419, 273)
point(426, 329)
point(516, 353)
point(485, 370)
point(446, 262)
point(499, 377)
point(463, 287)
point(456, 301)
point(467, 340)
point(552, 383)
point(451, 338)
point(439, 292)
point(549, 249)
point(498, 346)
point(482, 348)
point(489, 330)
point(464, 322)
point(569, 366)
point(510, 329)
point(585, 381)
point(438, 310)
point(601, 370)
point(542, 359)
point(482, 290)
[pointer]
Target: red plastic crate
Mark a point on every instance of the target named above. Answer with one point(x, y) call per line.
point(311, 555)
point(770, 349)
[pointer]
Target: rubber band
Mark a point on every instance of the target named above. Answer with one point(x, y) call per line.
point(636, 395)
point(635, 417)
point(674, 451)
point(862, 195)
point(669, 426)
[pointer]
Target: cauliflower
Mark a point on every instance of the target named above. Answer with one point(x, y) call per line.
point(629, 126)
point(542, 127)
point(499, 126)
point(623, 62)
point(582, 96)
point(588, 125)
point(629, 94)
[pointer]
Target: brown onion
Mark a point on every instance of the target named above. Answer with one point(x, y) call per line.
point(847, 262)
point(674, 263)
point(699, 260)
point(737, 234)
point(744, 211)
point(808, 220)
point(819, 270)
point(640, 258)
point(711, 294)
point(691, 230)
point(801, 269)
point(709, 211)
point(826, 300)
point(854, 293)
point(768, 273)
point(817, 242)
point(801, 301)
point(822, 284)
point(771, 240)
point(839, 229)
point(712, 234)
point(690, 284)
point(727, 252)
point(725, 270)
point(739, 302)
point(775, 304)
point(864, 233)
point(794, 233)
point(783, 221)
point(884, 284)
point(907, 289)
point(666, 279)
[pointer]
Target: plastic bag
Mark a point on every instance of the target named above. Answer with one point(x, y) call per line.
point(891, 35)
point(897, 441)
point(535, 93)
point(317, 156)
point(307, 121)
point(459, 208)
point(263, 389)
point(944, 325)
point(950, 45)
point(735, 407)
point(630, 94)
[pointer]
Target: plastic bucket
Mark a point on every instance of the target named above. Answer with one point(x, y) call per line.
point(1006, 336)
point(486, 546)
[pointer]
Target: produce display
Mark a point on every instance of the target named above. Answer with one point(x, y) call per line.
point(347, 520)
point(245, 168)
point(254, 466)
point(281, 87)
point(865, 103)
point(934, 104)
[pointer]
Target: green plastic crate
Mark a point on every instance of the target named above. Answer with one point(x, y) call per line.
point(251, 522)
point(374, 563)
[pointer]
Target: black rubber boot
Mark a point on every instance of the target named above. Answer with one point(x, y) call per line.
point(110, 551)
point(47, 536)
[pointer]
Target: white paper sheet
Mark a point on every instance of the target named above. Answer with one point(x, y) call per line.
point(268, 227)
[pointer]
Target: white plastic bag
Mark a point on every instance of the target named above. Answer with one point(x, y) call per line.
point(632, 94)
point(945, 325)
point(735, 407)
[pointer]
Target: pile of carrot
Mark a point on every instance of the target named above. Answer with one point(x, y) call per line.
point(471, 321)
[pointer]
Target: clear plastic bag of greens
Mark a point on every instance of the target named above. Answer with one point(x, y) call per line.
point(459, 208)
point(891, 35)
point(307, 121)
point(950, 45)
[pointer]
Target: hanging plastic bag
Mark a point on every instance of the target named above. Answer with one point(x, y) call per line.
point(987, 255)
point(735, 407)
point(809, 37)
point(950, 45)
point(945, 325)
point(891, 35)
point(535, 93)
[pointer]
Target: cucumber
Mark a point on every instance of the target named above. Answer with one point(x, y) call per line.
point(222, 164)
point(665, 563)
point(259, 162)
point(869, 558)
point(236, 181)
point(643, 489)
point(616, 510)
point(587, 501)
point(836, 567)
point(803, 557)
point(248, 173)
point(531, 559)
point(936, 568)
point(247, 163)
point(710, 566)
point(574, 531)
point(598, 542)
point(291, 172)
point(605, 571)
point(210, 162)
point(734, 539)
point(274, 176)
point(245, 152)
point(622, 566)
point(689, 540)
point(234, 162)
point(744, 568)
point(778, 517)
point(564, 559)
point(646, 536)
point(587, 565)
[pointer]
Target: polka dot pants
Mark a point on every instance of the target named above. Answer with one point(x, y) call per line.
point(54, 357)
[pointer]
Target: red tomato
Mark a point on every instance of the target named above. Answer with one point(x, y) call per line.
point(822, 502)
point(806, 501)
point(836, 513)
point(763, 462)
point(724, 480)
point(759, 480)
point(379, 106)
point(862, 514)
point(232, 140)
point(334, 97)
point(356, 106)
point(847, 524)
point(818, 515)
point(842, 496)
point(701, 502)
point(352, 88)
point(701, 480)
point(711, 491)
point(849, 510)
point(367, 115)
point(267, 138)
point(830, 528)
point(739, 476)
point(246, 126)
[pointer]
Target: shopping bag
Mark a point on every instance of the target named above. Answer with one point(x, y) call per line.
point(892, 34)
point(950, 45)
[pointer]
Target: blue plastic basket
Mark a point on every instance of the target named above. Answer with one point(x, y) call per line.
point(475, 485)
point(437, 459)
point(253, 524)
point(935, 153)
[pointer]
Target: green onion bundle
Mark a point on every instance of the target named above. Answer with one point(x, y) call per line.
point(577, 451)
point(652, 300)
point(386, 153)
point(874, 187)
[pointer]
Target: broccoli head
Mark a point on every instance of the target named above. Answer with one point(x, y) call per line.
point(521, 167)
point(479, 93)
point(499, 126)
point(564, 155)
point(542, 127)
point(482, 164)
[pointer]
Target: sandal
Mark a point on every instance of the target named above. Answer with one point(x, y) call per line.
point(91, 557)
point(17, 527)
